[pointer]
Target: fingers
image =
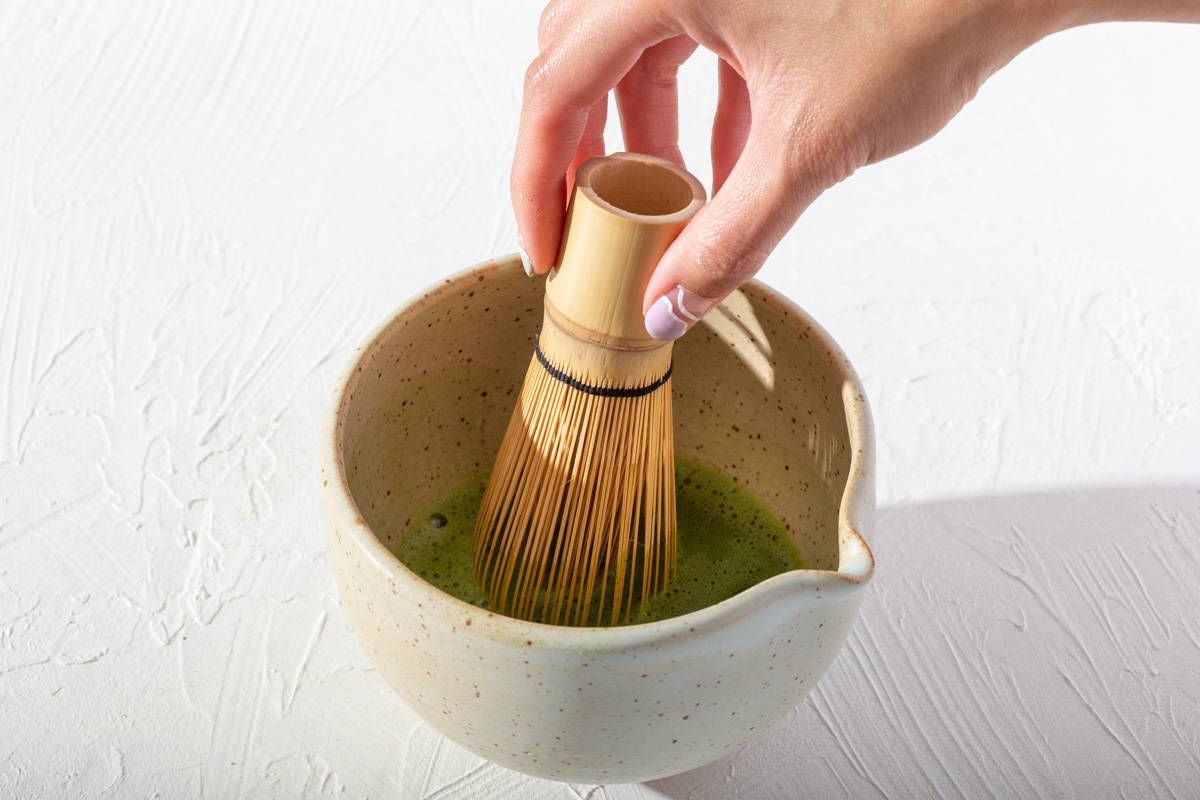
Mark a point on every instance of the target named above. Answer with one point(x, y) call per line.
point(591, 144)
point(589, 54)
point(731, 124)
point(729, 239)
point(648, 100)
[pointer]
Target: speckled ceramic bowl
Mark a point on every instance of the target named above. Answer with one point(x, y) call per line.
point(760, 390)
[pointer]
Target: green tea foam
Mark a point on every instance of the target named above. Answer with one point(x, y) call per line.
point(728, 541)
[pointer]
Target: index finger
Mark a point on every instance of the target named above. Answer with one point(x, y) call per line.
point(588, 57)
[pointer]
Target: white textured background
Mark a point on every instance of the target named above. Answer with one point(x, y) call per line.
point(203, 208)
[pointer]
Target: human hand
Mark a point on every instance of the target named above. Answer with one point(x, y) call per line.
point(808, 92)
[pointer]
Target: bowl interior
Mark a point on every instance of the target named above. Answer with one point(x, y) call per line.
point(757, 393)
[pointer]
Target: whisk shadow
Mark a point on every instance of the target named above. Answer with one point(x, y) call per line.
point(1008, 645)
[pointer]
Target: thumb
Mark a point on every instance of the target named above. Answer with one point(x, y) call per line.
point(728, 241)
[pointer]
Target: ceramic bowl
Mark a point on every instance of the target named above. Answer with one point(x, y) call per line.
point(760, 391)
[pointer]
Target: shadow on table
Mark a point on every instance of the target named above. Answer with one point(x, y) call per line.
point(1010, 645)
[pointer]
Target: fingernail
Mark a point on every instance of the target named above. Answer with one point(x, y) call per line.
point(525, 262)
point(675, 312)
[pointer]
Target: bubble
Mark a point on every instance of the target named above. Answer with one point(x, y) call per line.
point(438, 520)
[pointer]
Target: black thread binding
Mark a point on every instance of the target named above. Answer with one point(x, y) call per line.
point(598, 391)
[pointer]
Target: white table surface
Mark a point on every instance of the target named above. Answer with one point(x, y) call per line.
point(203, 209)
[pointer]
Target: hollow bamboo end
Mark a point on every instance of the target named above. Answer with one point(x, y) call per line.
point(641, 189)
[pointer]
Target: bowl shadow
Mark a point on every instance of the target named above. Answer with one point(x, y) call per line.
point(1011, 645)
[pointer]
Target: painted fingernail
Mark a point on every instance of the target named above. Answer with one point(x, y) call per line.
point(675, 312)
point(525, 262)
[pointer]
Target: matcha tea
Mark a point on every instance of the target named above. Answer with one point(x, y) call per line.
point(727, 541)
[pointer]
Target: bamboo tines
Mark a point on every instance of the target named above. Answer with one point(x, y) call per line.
point(579, 529)
point(577, 523)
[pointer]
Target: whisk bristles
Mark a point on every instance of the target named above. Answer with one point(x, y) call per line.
point(578, 519)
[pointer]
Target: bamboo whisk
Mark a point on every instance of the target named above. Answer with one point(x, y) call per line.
point(578, 519)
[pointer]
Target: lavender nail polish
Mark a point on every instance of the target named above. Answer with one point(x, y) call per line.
point(675, 312)
point(662, 323)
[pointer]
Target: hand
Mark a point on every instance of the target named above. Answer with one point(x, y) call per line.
point(808, 93)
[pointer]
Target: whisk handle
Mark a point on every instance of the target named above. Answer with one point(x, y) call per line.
point(625, 211)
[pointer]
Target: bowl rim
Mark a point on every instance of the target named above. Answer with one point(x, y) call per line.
point(856, 562)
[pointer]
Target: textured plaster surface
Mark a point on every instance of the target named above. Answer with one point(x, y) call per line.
point(204, 207)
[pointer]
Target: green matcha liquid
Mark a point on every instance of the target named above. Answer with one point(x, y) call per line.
point(727, 542)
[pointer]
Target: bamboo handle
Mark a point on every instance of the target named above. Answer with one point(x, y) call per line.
point(625, 211)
